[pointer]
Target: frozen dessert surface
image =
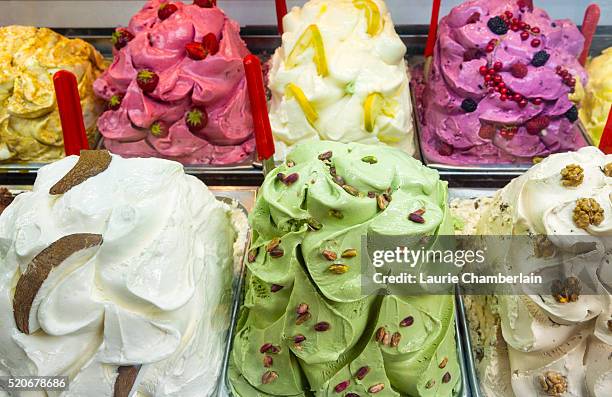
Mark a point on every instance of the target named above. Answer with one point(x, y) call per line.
point(177, 87)
point(597, 99)
point(340, 75)
point(498, 88)
point(30, 128)
point(304, 328)
point(138, 259)
point(529, 344)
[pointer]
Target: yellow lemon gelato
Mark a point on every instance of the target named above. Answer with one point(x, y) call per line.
point(30, 128)
point(598, 95)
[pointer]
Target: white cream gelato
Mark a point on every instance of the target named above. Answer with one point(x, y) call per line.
point(539, 342)
point(156, 293)
point(353, 80)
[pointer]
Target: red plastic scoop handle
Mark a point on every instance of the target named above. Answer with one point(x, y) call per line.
point(70, 111)
point(433, 28)
point(589, 26)
point(259, 108)
point(605, 144)
point(281, 11)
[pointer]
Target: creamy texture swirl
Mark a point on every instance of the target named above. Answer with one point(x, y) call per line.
point(423, 363)
point(155, 293)
point(218, 83)
point(538, 334)
point(598, 95)
point(359, 65)
point(30, 128)
point(452, 135)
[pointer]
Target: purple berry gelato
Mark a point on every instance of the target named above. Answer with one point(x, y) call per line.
point(499, 84)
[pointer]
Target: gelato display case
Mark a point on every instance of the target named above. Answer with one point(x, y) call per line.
point(190, 191)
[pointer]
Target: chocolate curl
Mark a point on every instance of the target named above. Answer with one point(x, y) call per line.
point(431, 37)
point(70, 111)
point(259, 109)
point(589, 26)
point(605, 144)
point(281, 11)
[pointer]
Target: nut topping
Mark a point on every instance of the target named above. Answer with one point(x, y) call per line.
point(443, 363)
point(329, 255)
point(362, 372)
point(253, 255)
point(376, 388)
point(302, 308)
point(446, 378)
point(338, 268)
point(607, 170)
point(269, 377)
point(572, 175)
point(351, 190)
point(326, 155)
point(268, 361)
point(395, 339)
point(407, 322)
point(553, 383)
point(430, 384)
point(567, 290)
point(349, 253)
point(380, 334)
point(336, 214)
point(302, 318)
point(587, 212)
point(370, 159)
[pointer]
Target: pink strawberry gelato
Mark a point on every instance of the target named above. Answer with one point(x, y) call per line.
point(217, 83)
point(524, 111)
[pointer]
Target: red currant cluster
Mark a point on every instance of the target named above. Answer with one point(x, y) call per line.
point(495, 83)
point(515, 25)
point(508, 132)
point(567, 77)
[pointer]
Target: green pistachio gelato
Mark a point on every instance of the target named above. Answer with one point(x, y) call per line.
point(304, 328)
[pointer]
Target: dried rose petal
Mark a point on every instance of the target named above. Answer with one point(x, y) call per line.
point(376, 388)
point(302, 318)
point(446, 378)
point(253, 255)
point(277, 252)
point(275, 242)
point(416, 218)
point(268, 361)
point(326, 155)
point(276, 287)
point(395, 339)
point(269, 348)
point(291, 178)
point(299, 338)
point(380, 334)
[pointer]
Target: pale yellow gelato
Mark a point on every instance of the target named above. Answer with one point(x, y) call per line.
point(597, 95)
point(30, 128)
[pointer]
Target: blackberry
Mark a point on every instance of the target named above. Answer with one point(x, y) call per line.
point(497, 25)
point(572, 114)
point(540, 58)
point(469, 105)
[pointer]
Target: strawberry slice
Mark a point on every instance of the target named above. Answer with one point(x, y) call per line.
point(205, 3)
point(196, 51)
point(166, 10)
point(114, 103)
point(160, 129)
point(196, 119)
point(121, 37)
point(211, 44)
point(147, 80)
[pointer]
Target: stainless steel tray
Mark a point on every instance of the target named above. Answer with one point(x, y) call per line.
point(225, 388)
point(508, 170)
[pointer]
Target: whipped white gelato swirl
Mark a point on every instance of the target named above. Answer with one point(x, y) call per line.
point(556, 344)
point(364, 57)
point(154, 293)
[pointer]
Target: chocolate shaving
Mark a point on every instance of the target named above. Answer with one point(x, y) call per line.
point(125, 381)
point(90, 164)
point(38, 270)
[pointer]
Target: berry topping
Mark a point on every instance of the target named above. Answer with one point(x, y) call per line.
point(524, 36)
point(519, 70)
point(211, 44)
point(497, 66)
point(508, 132)
point(147, 80)
point(487, 131)
point(537, 124)
point(497, 25)
point(475, 17)
point(540, 58)
point(469, 105)
point(445, 149)
point(472, 53)
point(205, 3)
point(196, 119)
point(483, 70)
point(535, 30)
point(196, 51)
point(165, 10)
point(536, 43)
point(121, 37)
point(159, 129)
point(114, 103)
point(572, 114)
